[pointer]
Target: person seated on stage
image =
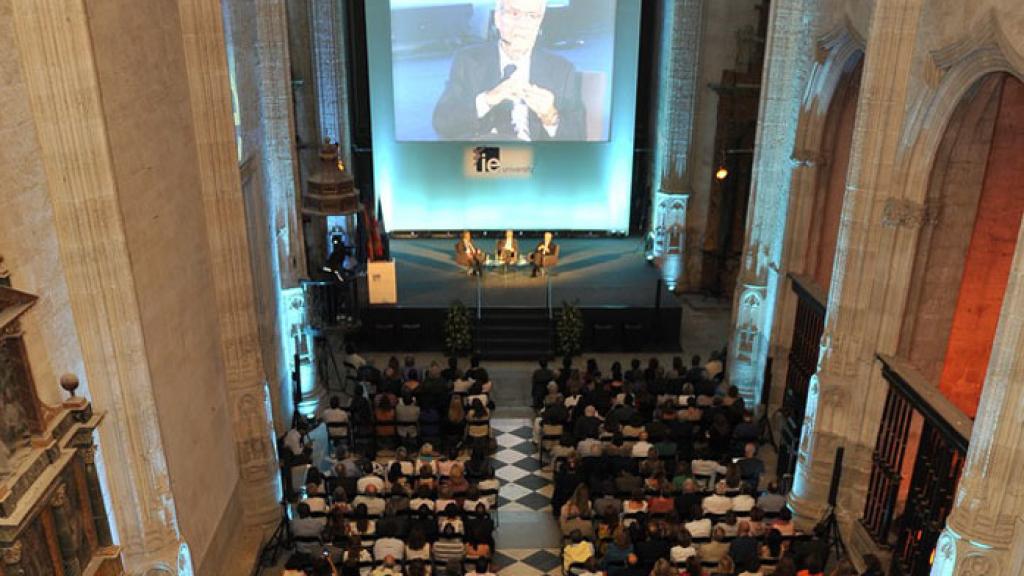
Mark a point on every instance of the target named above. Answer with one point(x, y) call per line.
point(467, 254)
point(508, 249)
point(545, 248)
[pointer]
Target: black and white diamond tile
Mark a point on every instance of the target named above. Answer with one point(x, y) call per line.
point(524, 486)
point(528, 562)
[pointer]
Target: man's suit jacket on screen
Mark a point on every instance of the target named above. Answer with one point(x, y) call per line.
point(475, 69)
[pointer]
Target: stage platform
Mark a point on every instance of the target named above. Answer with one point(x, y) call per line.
point(624, 306)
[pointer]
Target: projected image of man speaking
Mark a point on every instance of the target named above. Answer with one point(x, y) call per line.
point(511, 89)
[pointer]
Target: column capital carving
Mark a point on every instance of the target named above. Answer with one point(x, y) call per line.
point(901, 213)
point(803, 158)
point(12, 554)
point(89, 454)
point(60, 497)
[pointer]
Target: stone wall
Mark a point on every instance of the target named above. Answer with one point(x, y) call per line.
point(28, 238)
point(989, 257)
point(953, 191)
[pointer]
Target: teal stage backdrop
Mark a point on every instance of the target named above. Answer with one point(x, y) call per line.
point(450, 185)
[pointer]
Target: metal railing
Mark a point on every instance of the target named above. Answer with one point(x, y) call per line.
point(803, 361)
point(940, 453)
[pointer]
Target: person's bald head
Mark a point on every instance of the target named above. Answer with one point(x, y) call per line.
point(518, 23)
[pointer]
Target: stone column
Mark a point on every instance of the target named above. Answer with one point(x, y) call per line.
point(789, 57)
point(327, 20)
point(210, 93)
point(984, 534)
point(679, 75)
point(69, 539)
point(869, 279)
point(99, 510)
point(60, 72)
point(280, 163)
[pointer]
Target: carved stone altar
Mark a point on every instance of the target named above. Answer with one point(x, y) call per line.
point(53, 520)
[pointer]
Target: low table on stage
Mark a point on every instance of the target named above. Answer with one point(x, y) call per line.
point(494, 262)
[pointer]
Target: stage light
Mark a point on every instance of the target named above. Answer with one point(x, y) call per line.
point(722, 173)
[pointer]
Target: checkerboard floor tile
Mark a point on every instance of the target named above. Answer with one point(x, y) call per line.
point(524, 486)
point(528, 562)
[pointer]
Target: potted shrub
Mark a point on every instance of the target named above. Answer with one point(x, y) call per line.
point(569, 331)
point(458, 330)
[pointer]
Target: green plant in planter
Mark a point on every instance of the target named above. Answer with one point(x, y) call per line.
point(458, 330)
point(569, 331)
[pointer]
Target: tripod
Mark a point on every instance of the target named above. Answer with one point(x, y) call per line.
point(326, 363)
point(280, 539)
point(764, 429)
point(764, 425)
point(828, 530)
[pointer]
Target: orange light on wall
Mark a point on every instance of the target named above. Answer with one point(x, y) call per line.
point(989, 259)
point(722, 173)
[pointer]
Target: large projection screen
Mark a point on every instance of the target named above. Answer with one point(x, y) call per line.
point(497, 114)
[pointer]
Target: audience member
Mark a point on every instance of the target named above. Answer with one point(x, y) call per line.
point(577, 551)
point(718, 503)
point(307, 530)
point(683, 548)
point(744, 549)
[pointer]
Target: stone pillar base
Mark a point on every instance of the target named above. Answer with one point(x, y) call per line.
point(172, 559)
point(955, 554)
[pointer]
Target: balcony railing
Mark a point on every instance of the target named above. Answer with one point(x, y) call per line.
point(941, 447)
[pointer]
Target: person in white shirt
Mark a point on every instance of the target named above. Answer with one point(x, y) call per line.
point(589, 447)
point(718, 503)
point(407, 411)
point(295, 438)
point(683, 549)
point(699, 528)
point(744, 502)
point(353, 358)
point(334, 414)
point(641, 447)
point(369, 478)
point(374, 504)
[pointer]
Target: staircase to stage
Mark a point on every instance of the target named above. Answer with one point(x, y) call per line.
point(514, 333)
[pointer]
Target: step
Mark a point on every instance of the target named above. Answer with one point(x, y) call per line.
point(517, 337)
point(520, 321)
point(514, 328)
point(514, 354)
point(514, 314)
